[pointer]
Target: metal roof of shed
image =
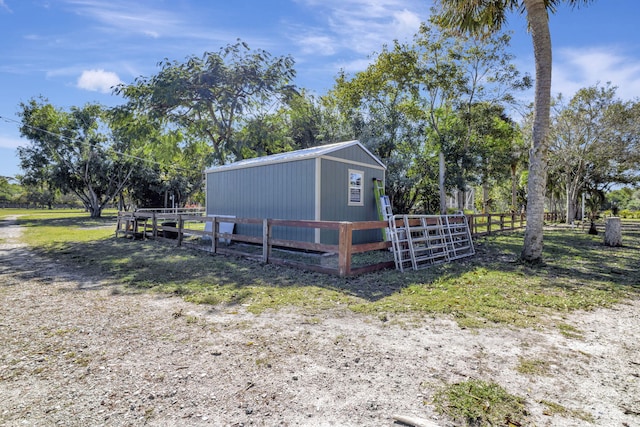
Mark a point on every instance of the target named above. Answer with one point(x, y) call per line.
point(290, 156)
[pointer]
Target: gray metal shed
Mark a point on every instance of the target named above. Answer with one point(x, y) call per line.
point(332, 182)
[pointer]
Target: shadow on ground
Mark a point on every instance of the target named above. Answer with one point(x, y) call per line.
point(572, 258)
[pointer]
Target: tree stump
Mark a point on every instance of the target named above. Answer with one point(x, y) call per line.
point(613, 232)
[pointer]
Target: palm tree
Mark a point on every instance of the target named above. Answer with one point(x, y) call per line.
point(481, 17)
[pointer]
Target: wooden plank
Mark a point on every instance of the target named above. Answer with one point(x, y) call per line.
point(196, 232)
point(215, 229)
point(345, 234)
point(196, 218)
point(369, 225)
point(325, 225)
point(309, 246)
point(164, 216)
point(238, 220)
point(368, 247)
point(239, 238)
point(266, 240)
point(143, 214)
point(154, 225)
point(180, 232)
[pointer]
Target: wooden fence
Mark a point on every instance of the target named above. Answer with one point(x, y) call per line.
point(338, 259)
point(484, 224)
point(334, 259)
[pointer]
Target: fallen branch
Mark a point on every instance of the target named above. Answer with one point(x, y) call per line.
point(628, 411)
point(414, 422)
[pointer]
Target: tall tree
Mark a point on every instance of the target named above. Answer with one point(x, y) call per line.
point(382, 98)
point(415, 100)
point(458, 73)
point(212, 96)
point(72, 152)
point(168, 162)
point(593, 143)
point(482, 17)
point(9, 190)
point(492, 138)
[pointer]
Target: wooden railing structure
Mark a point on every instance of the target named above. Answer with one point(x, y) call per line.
point(178, 227)
point(556, 216)
point(485, 224)
point(334, 259)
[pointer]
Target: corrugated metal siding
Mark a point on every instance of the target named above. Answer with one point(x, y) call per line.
point(280, 191)
point(335, 203)
point(355, 154)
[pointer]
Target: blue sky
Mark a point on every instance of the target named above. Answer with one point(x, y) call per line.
point(73, 51)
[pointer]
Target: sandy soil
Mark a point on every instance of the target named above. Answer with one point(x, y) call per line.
point(76, 352)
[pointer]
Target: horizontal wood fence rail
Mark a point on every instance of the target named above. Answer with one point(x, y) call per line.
point(180, 227)
point(174, 211)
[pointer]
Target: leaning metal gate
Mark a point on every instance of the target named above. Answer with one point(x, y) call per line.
point(422, 240)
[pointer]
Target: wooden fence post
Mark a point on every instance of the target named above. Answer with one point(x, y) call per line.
point(154, 226)
point(135, 226)
point(266, 240)
point(345, 232)
point(488, 223)
point(214, 234)
point(180, 226)
point(118, 224)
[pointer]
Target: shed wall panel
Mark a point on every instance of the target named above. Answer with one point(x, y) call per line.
point(355, 153)
point(335, 199)
point(280, 191)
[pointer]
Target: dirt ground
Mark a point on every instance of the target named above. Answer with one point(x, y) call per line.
point(76, 352)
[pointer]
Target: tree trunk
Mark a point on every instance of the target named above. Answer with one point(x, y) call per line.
point(95, 208)
point(539, 26)
point(443, 194)
point(514, 189)
point(572, 205)
point(485, 197)
point(462, 198)
point(613, 232)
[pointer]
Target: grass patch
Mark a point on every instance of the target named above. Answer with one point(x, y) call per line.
point(478, 403)
point(491, 288)
point(552, 408)
point(533, 367)
point(569, 331)
point(49, 228)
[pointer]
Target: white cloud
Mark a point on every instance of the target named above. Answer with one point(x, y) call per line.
point(3, 5)
point(317, 45)
point(578, 68)
point(405, 24)
point(98, 80)
point(363, 26)
point(152, 34)
point(128, 17)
